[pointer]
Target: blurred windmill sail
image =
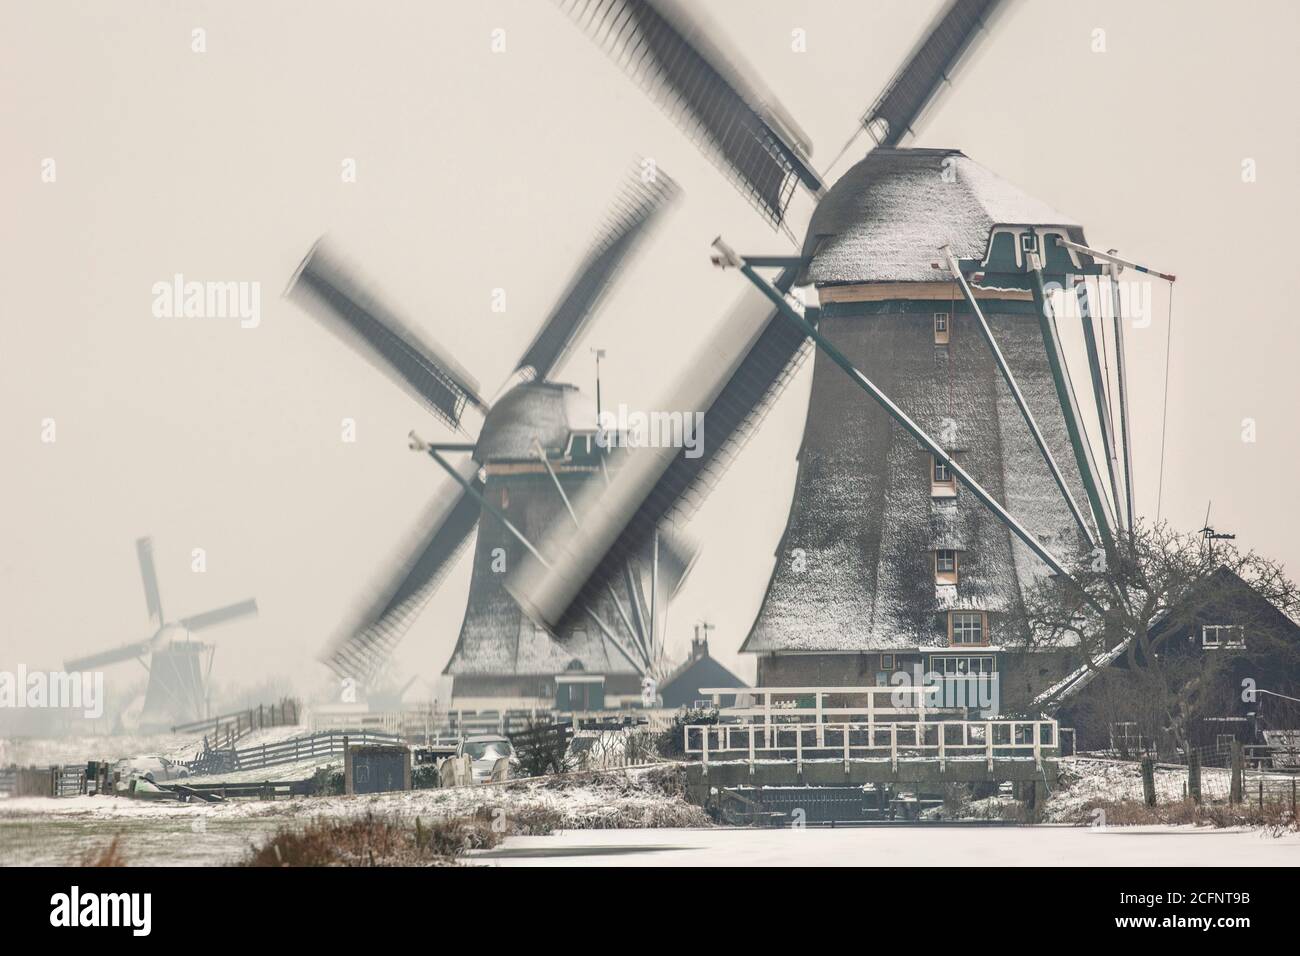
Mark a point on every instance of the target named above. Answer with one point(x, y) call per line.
point(369, 636)
point(326, 287)
point(603, 512)
point(948, 38)
point(707, 93)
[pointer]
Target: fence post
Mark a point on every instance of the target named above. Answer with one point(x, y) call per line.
point(1261, 793)
point(1194, 775)
point(988, 743)
point(1149, 781)
point(1236, 792)
point(893, 746)
point(751, 761)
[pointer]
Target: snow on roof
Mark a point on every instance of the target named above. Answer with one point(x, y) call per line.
point(886, 218)
point(546, 411)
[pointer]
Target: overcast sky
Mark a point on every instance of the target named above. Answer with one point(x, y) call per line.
point(479, 170)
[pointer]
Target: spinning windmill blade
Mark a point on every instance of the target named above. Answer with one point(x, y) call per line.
point(931, 61)
point(634, 211)
point(126, 652)
point(369, 636)
point(736, 123)
point(198, 622)
point(738, 393)
point(152, 599)
point(326, 288)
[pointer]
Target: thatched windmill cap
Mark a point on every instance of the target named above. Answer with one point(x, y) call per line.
point(887, 217)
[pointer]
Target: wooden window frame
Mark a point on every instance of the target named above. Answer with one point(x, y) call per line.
point(886, 662)
point(943, 576)
point(942, 488)
point(984, 629)
point(979, 672)
point(1219, 641)
point(942, 323)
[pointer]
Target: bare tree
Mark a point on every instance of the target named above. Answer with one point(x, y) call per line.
point(1130, 604)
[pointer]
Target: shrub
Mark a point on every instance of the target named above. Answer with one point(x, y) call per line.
point(542, 748)
point(374, 841)
point(671, 743)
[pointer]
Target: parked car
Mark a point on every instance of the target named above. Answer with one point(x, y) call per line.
point(133, 772)
point(484, 751)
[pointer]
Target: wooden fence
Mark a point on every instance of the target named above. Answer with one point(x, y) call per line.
point(56, 781)
point(223, 731)
point(324, 744)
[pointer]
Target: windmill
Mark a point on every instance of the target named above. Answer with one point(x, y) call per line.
point(520, 454)
point(178, 666)
point(904, 237)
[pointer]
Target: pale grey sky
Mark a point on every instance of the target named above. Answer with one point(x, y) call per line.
point(478, 170)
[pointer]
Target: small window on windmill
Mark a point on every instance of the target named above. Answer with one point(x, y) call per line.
point(942, 321)
point(942, 482)
point(1029, 242)
point(966, 628)
point(945, 566)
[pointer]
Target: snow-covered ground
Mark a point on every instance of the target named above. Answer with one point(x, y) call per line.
point(35, 830)
point(961, 845)
point(51, 751)
point(1087, 781)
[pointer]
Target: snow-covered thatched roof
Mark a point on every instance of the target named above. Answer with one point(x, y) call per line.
point(885, 219)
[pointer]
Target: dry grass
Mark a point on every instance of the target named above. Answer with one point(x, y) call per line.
point(110, 855)
point(375, 841)
point(1275, 816)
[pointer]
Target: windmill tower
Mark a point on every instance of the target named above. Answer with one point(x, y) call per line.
point(539, 450)
point(887, 563)
point(519, 456)
point(178, 666)
point(946, 464)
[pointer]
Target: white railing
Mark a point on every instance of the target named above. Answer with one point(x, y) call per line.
point(782, 705)
point(861, 723)
point(932, 740)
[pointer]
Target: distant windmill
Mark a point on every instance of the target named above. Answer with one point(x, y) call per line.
point(178, 667)
point(520, 459)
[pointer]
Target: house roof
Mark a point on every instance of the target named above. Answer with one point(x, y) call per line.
point(886, 218)
point(1221, 583)
point(702, 666)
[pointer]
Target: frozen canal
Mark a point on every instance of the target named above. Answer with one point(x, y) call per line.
point(928, 845)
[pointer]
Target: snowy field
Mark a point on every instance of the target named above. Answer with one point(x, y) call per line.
point(924, 845)
point(40, 831)
point(638, 817)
